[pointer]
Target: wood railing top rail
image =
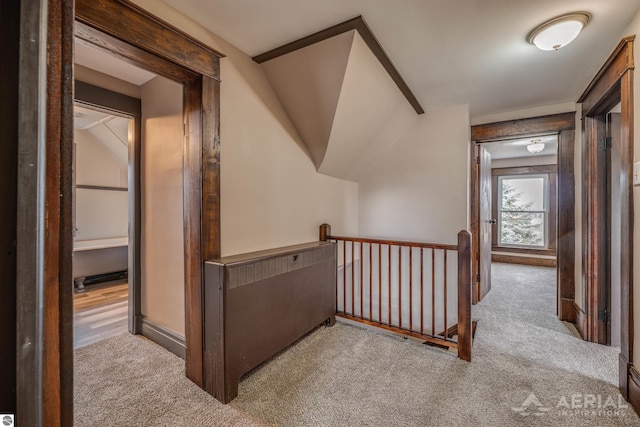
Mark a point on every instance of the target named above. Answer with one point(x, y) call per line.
point(396, 243)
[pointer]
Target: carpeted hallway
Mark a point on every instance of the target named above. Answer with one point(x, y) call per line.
point(346, 375)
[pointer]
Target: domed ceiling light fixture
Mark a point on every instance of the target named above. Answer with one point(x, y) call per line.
point(558, 32)
point(535, 147)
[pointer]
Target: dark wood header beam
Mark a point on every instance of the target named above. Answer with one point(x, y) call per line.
point(512, 129)
point(150, 33)
point(367, 35)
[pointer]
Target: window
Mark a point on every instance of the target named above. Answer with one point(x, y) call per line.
point(523, 211)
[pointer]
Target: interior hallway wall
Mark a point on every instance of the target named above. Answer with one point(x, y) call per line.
point(418, 190)
point(162, 249)
point(271, 194)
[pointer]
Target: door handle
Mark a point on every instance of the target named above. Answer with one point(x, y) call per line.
point(493, 221)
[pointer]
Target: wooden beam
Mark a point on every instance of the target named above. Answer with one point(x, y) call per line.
point(512, 129)
point(150, 33)
point(359, 24)
point(608, 77)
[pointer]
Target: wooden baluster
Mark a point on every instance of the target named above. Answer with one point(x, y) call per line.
point(411, 289)
point(361, 281)
point(389, 284)
point(465, 329)
point(445, 295)
point(344, 276)
point(421, 291)
point(400, 287)
point(353, 282)
point(433, 292)
point(370, 281)
point(380, 283)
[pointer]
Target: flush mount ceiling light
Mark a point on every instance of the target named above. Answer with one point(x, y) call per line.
point(535, 147)
point(558, 32)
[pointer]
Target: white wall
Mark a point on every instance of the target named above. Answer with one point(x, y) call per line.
point(419, 189)
point(271, 194)
point(102, 80)
point(162, 249)
point(99, 214)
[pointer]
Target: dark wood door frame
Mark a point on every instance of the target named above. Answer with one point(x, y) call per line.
point(130, 108)
point(564, 126)
point(129, 32)
point(612, 85)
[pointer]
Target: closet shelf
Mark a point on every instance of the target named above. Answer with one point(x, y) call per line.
point(90, 245)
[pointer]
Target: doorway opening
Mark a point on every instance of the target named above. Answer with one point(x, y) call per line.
point(102, 224)
point(537, 228)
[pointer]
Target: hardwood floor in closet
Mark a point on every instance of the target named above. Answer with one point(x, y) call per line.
point(99, 312)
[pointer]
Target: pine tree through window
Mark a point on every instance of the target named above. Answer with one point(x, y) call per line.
point(523, 210)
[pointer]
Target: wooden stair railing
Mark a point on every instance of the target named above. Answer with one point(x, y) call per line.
point(388, 284)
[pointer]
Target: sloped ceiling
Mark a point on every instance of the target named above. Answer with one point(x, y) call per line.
point(110, 131)
point(308, 83)
point(449, 52)
point(341, 100)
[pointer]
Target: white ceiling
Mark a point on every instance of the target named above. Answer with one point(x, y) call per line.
point(514, 148)
point(90, 57)
point(450, 52)
point(108, 130)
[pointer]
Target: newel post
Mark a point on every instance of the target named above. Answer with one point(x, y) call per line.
point(464, 296)
point(325, 231)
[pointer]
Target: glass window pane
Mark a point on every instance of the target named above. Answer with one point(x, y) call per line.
point(523, 194)
point(522, 228)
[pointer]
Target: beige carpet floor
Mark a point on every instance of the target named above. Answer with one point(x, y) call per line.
point(528, 369)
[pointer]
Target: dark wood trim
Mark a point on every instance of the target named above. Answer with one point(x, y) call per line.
point(104, 99)
point(151, 34)
point(130, 53)
point(120, 28)
point(552, 232)
point(633, 383)
point(193, 256)
point(359, 24)
point(624, 372)
point(627, 209)
point(580, 320)
point(565, 225)
point(523, 260)
point(58, 226)
point(101, 187)
point(534, 126)
point(608, 77)
point(525, 170)
point(566, 311)
point(612, 84)
point(465, 328)
point(545, 252)
point(564, 125)
point(32, 364)
point(162, 336)
point(9, 57)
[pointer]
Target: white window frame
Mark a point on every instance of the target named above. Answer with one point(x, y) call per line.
point(545, 210)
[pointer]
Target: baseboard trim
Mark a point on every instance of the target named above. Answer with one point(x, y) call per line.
point(633, 387)
point(514, 259)
point(163, 337)
point(567, 310)
point(580, 320)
